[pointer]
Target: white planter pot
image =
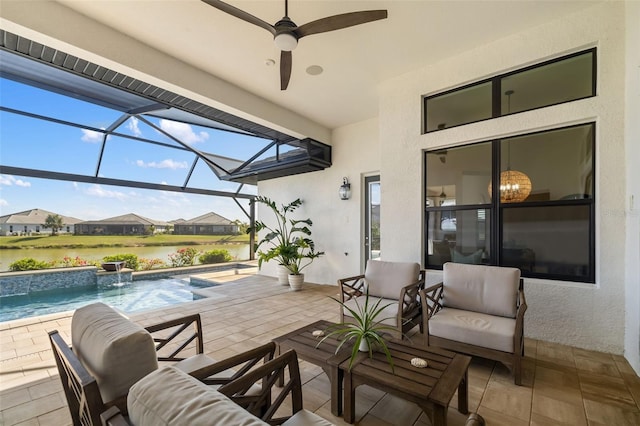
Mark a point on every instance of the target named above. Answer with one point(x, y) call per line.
point(364, 346)
point(295, 281)
point(283, 275)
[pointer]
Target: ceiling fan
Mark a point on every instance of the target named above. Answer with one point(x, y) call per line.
point(286, 33)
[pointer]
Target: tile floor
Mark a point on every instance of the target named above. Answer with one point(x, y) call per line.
point(562, 385)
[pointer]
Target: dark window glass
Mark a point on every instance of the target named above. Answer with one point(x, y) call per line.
point(548, 241)
point(459, 107)
point(460, 236)
point(569, 78)
point(459, 176)
point(553, 165)
point(556, 82)
point(542, 223)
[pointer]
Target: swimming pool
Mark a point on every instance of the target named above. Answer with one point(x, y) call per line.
point(128, 297)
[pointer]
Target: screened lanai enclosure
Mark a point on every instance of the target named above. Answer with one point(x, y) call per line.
point(65, 118)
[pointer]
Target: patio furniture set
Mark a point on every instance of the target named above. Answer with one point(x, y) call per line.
point(111, 376)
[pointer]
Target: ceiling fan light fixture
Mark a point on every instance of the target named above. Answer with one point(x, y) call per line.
point(286, 41)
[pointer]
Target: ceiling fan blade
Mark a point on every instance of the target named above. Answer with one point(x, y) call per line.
point(241, 14)
point(337, 22)
point(285, 69)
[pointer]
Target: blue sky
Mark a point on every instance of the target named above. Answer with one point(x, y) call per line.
point(30, 143)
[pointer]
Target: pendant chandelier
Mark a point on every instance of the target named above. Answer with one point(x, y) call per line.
point(515, 186)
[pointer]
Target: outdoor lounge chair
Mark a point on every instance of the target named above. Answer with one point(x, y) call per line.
point(111, 353)
point(478, 310)
point(153, 401)
point(393, 283)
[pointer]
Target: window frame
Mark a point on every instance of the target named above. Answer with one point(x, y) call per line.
point(496, 92)
point(495, 209)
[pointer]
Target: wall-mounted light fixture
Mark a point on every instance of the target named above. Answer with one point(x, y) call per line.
point(345, 189)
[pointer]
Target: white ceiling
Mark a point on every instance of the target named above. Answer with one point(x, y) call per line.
point(355, 60)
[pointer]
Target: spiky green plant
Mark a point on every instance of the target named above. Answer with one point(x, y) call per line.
point(366, 327)
point(280, 240)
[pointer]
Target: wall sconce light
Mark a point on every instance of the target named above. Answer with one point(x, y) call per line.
point(345, 189)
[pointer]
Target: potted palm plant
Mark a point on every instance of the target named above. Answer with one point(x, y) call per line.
point(278, 243)
point(302, 255)
point(367, 331)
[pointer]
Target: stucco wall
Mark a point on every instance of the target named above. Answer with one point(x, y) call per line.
point(583, 315)
point(337, 224)
point(632, 129)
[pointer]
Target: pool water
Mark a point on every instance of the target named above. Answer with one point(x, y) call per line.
point(128, 297)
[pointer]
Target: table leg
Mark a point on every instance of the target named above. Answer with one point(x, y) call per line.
point(280, 382)
point(349, 399)
point(335, 377)
point(463, 394)
point(439, 415)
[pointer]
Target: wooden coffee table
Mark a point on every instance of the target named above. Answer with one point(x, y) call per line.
point(431, 388)
point(324, 356)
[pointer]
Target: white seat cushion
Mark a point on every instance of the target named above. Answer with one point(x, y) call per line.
point(306, 418)
point(491, 290)
point(116, 351)
point(474, 328)
point(389, 314)
point(170, 397)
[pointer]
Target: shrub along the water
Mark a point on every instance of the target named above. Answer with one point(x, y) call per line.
point(215, 256)
point(130, 260)
point(29, 263)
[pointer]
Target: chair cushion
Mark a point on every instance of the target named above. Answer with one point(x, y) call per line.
point(169, 396)
point(386, 279)
point(306, 418)
point(388, 316)
point(113, 349)
point(491, 290)
point(487, 331)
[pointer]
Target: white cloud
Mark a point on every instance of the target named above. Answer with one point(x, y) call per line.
point(8, 180)
point(183, 132)
point(3, 202)
point(164, 164)
point(132, 125)
point(91, 136)
point(99, 191)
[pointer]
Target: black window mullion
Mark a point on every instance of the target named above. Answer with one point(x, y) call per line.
point(496, 96)
point(495, 224)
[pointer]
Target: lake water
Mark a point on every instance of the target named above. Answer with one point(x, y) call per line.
point(237, 251)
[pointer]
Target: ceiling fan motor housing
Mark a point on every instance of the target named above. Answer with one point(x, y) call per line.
point(285, 38)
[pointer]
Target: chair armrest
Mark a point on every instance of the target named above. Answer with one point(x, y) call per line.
point(245, 360)
point(351, 287)
point(181, 331)
point(410, 306)
point(113, 417)
point(431, 299)
point(269, 373)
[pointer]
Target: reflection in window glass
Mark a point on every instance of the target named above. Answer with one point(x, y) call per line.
point(549, 241)
point(459, 176)
point(460, 236)
point(559, 163)
point(554, 83)
point(460, 107)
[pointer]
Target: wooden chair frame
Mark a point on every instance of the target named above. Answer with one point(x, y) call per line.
point(409, 311)
point(431, 299)
point(81, 388)
point(263, 405)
